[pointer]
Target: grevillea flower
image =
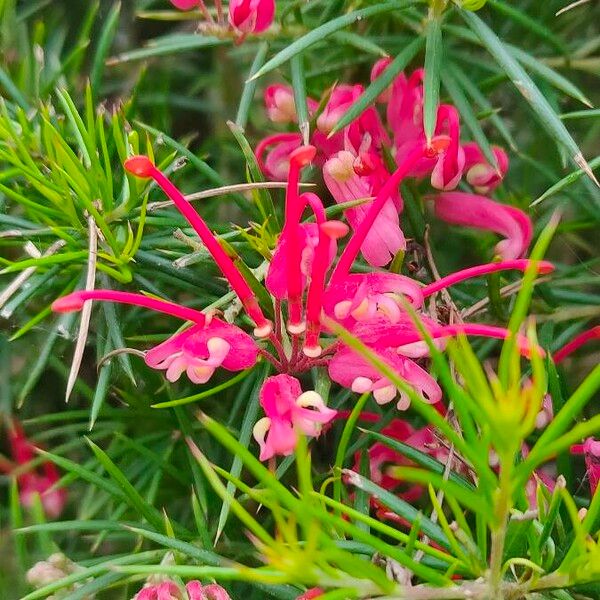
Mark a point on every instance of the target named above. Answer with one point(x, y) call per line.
point(373, 306)
point(198, 351)
point(352, 371)
point(201, 349)
point(471, 210)
point(385, 238)
point(363, 296)
point(591, 452)
point(281, 106)
point(251, 16)
point(33, 482)
point(341, 99)
point(479, 173)
point(450, 163)
point(194, 590)
point(276, 163)
point(287, 411)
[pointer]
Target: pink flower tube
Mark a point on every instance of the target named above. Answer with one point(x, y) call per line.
point(142, 167)
point(576, 343)
point(542, 267)
point(480, 174)
point(471, 210)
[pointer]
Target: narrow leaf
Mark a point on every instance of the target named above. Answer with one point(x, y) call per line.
point(528, 89)
point(321, 33)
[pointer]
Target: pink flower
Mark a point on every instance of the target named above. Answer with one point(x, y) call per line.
point(185, 4)
point(198, 351)
point(276, 164)
point(591, 452)
point(201, 349)
point(341, 99)
point(287, 410)
point(364, 296)
point(352, 371)
point(384, 238)
point(281, 106)
point(405, 109)
point(480, 174)
point(450, 163)
point(471, 210)
point(33, 482)
point(251, 16)
point(194, 590)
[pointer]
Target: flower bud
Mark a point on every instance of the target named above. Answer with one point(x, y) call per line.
point(251, 16)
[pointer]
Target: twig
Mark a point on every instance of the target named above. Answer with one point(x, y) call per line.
point(570, 6)
point(223, 191)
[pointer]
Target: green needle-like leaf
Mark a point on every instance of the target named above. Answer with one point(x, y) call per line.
point(509, 64)
point(321, 33)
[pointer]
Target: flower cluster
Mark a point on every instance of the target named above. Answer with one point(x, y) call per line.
point(33, 482)
point(355, 162)
point(245, 16)
point(310, 283)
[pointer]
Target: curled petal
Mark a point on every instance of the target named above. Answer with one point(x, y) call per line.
point(276, 163)
point(352, 371)
point(251, 16)
point(362, 296)
point(480, 174)
point(471, 210)
point(281, 106)
point(312, 412)
point(341, 98)
point(259, 432)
